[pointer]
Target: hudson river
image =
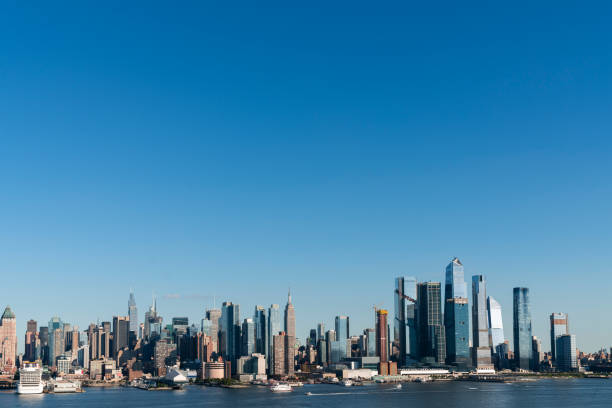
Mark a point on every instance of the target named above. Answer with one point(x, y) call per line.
point(554, 393)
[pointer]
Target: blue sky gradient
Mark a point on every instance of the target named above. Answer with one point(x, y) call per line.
point(238, 149)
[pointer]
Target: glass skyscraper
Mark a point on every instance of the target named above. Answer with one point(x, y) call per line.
point(404, 327)
point(432, 340)
point(261, 330)
point(274, 327)
point(481, 347)
point(342, 327)
point(522, 329)
point(566, 352)
point(456, 315)
point(558, 327)
point(496, 326)
point(248, 337)
point(133, 314)
point(56, 340)
point(229, 332)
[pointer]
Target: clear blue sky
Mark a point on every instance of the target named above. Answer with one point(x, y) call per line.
point(236, 150)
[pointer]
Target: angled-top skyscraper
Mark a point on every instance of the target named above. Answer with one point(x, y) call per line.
point(481, 346)
point(404, 323)
point(456, 315)
point(133, 313)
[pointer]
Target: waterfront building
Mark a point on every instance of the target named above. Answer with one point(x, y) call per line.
point(133, 314)
point(274, 327)
point(261, 336)
point(559, 326)
point(248, 337)
point(523, 355)
point(382, 333)
point(481, 347)
point(456, 315)
point(8, 341)
point(431, 335)
point(404, 323)
point(566, 352)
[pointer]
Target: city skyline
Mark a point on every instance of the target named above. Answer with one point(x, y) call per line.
point(243, 313)
point(232, 152)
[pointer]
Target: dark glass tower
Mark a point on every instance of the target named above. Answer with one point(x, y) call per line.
point(523, 353)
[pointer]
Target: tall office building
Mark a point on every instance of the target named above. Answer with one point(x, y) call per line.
point(342, 327)
point(382, 340)
point(457, 330)
point(229, 336)
point(248, 337)
point(456, 315)
point(291, 349)
point(481, 347)
point(213, 315)
point(261, 328)
point(152, 322)
point(536, 352)
point(496, 326)
point(289, 317)
point(404, 323)
point(321, 331)
point(431, 335)
point(133, 314)
point(370, 336)
point(56, 340)
point(566, 352)
point(274, 327)
point(330, 336)
point(43, 335)
point(559, 326)
point(523, 354)
point(31, 339)
point(121, 329)
point(8, 340)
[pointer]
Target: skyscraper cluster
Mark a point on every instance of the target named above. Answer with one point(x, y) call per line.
point(432, 326)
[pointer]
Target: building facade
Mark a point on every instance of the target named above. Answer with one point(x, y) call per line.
point(456, 315)
point(559, 326)
point(523, 356)
point(481, 347)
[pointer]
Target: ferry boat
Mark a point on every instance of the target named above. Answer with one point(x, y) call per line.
point(62, 386)
point(281, 388)
point(30, 379)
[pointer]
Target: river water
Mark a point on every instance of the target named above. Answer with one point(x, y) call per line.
point(553, 393)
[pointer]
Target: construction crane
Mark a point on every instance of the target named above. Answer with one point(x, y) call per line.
point(405, 296)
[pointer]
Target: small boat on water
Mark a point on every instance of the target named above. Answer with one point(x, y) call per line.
point(347, 383)
point(309, 393)
point(280, 387)
point(398, 387)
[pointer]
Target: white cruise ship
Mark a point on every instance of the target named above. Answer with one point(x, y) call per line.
point(30, 379)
